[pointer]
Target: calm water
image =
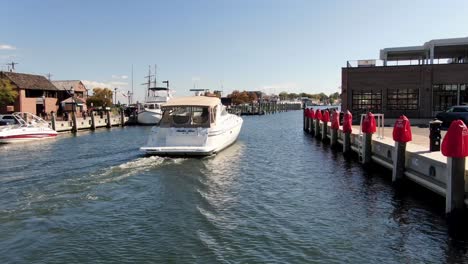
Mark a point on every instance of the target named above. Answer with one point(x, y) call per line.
point(276, 196)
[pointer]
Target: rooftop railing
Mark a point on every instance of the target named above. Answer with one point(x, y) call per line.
point(380, 63)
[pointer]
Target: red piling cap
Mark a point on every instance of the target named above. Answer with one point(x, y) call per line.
point(455, 143)
point(347, 122)
point(326, 116)
point(402, 130)
point(335, 120)
point(368, 124)
point(307, 112)
point(318, 114)
point(311, 113)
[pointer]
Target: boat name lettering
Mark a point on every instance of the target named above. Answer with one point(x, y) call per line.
point(185, 131)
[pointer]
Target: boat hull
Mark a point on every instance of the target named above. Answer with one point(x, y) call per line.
point(192, 142)
point(148, 117)
point(6, 138)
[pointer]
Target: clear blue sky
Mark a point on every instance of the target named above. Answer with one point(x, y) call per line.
point(268, 45)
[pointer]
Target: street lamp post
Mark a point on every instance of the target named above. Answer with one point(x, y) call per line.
point(73, 114)
point(44, 113)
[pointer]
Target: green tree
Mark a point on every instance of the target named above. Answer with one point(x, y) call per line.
point(7, 94)
point(283, 95)
point(100, 97)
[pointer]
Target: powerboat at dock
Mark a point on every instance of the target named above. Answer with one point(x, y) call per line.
point(195, 125)
point(27, 127)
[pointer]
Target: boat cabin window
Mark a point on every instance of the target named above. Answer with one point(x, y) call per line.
point(186, 116)
point(151, 106)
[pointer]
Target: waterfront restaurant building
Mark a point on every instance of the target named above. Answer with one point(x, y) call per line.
point(417, 81)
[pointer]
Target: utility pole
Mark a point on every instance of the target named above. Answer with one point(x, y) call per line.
point(115, 96)
point(49, 76)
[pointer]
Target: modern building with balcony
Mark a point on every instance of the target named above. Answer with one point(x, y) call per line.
point(417, 81)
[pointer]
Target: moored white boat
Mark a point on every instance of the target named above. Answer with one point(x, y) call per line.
point(196, 125)
point(27, 127)
point(151, 113)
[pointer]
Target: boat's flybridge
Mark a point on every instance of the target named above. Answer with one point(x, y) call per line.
point(185, 112)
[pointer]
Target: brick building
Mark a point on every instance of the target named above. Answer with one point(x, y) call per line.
point(35, 93)
point(417, 81)
point(66, 89)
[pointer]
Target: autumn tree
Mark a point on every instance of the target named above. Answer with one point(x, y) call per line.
point(7, 93)
point(100, 97)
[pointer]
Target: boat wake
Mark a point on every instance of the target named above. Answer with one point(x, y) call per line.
point(125, 170)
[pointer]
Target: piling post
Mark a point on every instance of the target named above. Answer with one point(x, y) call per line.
point(347, 129)
point(455, 148)
point(305, 118)
point(401, 135)
point(122, 118)
point(325, 120)
point(335, 126)
point(74, 121)
point(93, 121)
point(311, 121)
point(53, 121)
point(109, 122)
point(368, 128)
point(318, 117)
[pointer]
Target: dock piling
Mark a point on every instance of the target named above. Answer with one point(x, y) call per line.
point(455, 148)
point(401, 135)
point(368, 128)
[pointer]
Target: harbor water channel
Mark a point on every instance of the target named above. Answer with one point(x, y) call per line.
point(277, 195)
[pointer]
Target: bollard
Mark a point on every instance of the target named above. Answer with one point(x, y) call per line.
point(335, 126)
point(368, 128)
point(434, 135)
point(318, 117)
point(311, 121)
point(347, 129)
point(325, 120)
point(455, 148)
point(401, 135)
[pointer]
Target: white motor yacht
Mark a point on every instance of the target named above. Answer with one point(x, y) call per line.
point(26, 127)
point(196, 125)
point(151, 113)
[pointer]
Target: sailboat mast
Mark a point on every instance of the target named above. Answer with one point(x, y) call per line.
point(149, 81)
point(131, 97)
point(155, 76)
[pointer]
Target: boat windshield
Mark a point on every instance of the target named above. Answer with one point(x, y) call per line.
point(27, 119)
point(186, 116)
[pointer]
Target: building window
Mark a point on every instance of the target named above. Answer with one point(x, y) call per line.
point(51, 94)
point(445, 96)
point(367, 100)
point(402, 99)
point(33, 93)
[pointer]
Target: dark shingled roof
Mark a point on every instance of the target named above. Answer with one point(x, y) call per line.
point(29, 81)
point(66, 85)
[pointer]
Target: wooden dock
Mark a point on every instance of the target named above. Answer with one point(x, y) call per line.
point(94, 121)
